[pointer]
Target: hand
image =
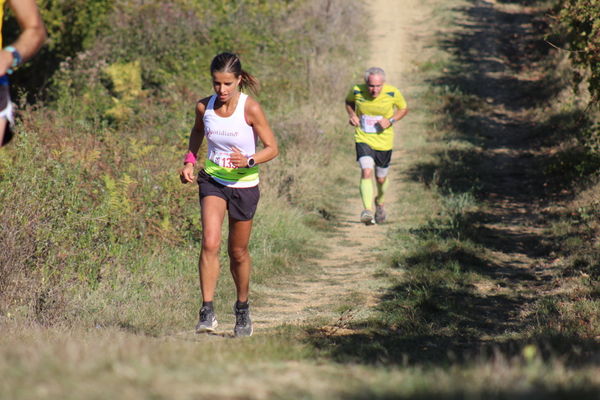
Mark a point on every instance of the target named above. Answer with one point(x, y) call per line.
point(6, 60)
point(238, 159)
point(354, 121)
point(384, 123)
point(187, 173)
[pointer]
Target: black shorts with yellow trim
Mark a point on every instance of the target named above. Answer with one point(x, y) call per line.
point(241, 202)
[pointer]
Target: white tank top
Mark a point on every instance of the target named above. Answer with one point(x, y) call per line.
point(224, 133)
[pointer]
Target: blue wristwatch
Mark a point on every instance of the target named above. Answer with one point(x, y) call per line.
point(17, 59)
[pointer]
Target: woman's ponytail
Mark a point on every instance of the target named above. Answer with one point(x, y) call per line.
point(250, 82)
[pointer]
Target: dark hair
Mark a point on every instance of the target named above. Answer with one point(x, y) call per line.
point(229, 62)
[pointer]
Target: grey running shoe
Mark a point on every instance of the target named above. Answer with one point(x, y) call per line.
point(366, 217)
point(379, 214)
point(207, 322)
point(243, 323)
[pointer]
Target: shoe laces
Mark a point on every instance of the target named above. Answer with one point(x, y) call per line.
point(241, 316)
point(205, 312)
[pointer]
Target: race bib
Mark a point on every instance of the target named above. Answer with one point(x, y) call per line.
point(368, 123)
point(221, 158)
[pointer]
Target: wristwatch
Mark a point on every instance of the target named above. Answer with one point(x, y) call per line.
point(251, 162)
point(17, 59)
point(392, 120)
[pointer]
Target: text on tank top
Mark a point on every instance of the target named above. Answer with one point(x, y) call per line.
point(222, 135)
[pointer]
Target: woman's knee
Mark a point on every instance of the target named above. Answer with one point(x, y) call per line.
point(239, 254)
point(211, 244)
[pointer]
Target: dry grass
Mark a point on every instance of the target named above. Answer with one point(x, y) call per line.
point(108, 363)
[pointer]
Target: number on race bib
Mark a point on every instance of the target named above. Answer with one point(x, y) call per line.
point(369, 123)
point(222, 159)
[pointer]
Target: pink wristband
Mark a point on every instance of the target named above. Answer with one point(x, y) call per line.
point(189, 158)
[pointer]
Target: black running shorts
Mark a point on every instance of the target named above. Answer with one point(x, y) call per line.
point(241, 202)
point(382, 158)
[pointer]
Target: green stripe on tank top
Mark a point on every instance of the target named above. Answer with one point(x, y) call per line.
point(231, 174)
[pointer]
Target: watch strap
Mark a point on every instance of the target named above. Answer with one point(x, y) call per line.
point(17, 59)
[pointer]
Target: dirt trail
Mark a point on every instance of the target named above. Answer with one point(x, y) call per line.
point(511, 226)
point(347, 273)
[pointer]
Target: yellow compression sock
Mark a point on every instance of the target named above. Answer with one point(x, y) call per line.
point(366, 193)
point(381, 188)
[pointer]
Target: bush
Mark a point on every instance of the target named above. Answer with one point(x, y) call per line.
point(577, 25)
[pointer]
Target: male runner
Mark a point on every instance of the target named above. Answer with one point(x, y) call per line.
point(373, 108)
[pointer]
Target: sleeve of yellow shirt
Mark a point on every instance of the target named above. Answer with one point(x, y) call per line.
point(1, 19)
point(399, 100)
point(351, 97)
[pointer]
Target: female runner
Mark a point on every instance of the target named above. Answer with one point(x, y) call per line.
point(231, 122)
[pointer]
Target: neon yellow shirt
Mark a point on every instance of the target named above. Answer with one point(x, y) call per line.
point(370, 110)
point(1, 18)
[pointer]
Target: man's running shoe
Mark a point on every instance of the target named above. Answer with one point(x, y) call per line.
point(243, 323)
point(207, 322)
point(366, 217)
point(380, 214)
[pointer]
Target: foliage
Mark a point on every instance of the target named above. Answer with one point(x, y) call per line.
point(126, 79)
point(72, 26)
point(578, 25)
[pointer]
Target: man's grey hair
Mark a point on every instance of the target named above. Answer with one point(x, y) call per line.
point(374, 71)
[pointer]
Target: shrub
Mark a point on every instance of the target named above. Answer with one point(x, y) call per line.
point(577, 24)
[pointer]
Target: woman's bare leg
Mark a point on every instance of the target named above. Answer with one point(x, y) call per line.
point(213, 213)
point(239, 256)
